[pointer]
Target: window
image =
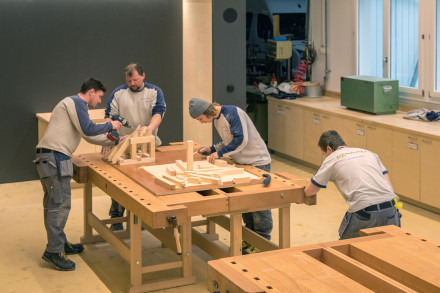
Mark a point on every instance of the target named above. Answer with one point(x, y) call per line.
point(400, 39)
point(264, 27)
point(293, 24)
point(370, 27)
point(404, 56)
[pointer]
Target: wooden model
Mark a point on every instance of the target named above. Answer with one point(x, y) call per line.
point(181, 174)
point(139, 147)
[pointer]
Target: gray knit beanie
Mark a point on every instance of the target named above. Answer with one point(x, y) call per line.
point(197, 107)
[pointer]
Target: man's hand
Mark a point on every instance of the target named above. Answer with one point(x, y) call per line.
point(106, 148)
point(213, 157)
point(122, 138)
point(204, 151)
point(116, 125)
point(144, 128)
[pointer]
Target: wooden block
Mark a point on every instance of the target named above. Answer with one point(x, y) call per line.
point(210, 180)
point(194, 180)
point(189, 155)
point(181, 165)
point(231, 171)
point(165, 183)
point(174, 180)
point(238, 180)
point(205, 166)
point(170, 170)
point(221, 163)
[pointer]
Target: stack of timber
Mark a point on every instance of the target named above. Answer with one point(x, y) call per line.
point(179, 175)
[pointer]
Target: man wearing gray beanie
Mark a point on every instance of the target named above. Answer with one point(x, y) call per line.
point(242, 142)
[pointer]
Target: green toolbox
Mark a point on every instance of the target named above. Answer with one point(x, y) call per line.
point(370, 94)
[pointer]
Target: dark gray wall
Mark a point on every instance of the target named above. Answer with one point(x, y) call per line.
point(229, 53)
point(49, 47)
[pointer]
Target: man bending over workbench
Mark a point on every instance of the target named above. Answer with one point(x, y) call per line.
point(363, 182)
point(242, 142)
point(68, 123)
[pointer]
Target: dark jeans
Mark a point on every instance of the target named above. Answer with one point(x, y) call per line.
point(260, 221)
point(352, 223)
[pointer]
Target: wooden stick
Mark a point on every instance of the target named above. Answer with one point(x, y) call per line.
point(189, 155)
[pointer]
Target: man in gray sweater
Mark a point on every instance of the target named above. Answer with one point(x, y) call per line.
point(68, 123)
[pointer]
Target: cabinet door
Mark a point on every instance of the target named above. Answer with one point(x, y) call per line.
point(276, 126)
point(429, 171)
point(331, 122)
point(354, 133)
point(406, 165)
point(294, 131)
point(312, 133)
point(380, 141)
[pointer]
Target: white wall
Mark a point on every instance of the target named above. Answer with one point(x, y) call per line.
point(341, 41)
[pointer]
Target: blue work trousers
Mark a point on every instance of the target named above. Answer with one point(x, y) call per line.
point(260, 221)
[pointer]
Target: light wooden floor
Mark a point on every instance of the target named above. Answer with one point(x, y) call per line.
point(100, 269)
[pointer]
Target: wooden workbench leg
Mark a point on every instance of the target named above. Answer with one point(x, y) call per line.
point(87, 195)
point(236, 234)
point(284, 224)
point(210, 230)
point(135, 251)
point(128, 222)
point(185, 235)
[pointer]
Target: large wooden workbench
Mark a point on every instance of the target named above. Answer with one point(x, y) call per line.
point(384, 259)
point(130, 186)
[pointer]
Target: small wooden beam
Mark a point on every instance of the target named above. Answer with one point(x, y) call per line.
point(181, 165)
point(238, 180)
point(221, 163)
point(174, 180)
point(164, 183)
point(170, 170)
point(189, 155)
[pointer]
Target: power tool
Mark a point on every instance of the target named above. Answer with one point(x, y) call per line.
point(113, 134)
point(123, 121)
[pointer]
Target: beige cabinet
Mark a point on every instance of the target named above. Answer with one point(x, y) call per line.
point(406, 164)
point(354, 133)
point(332, 122)
point(294, 135)
point(429, 171)
point(312, 133)
point(276, 126)
point(380, 141)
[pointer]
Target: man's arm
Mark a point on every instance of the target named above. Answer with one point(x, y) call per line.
point(311, 189)
point(155, 122)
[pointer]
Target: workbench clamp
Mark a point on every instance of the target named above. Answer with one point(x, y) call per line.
point(267, 179)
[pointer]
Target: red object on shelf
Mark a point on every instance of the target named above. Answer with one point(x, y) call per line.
point(301, 71)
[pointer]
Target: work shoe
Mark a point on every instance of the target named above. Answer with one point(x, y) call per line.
point(60, 261)
point(116, 227)
point(70, 248)
point(250, 249)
